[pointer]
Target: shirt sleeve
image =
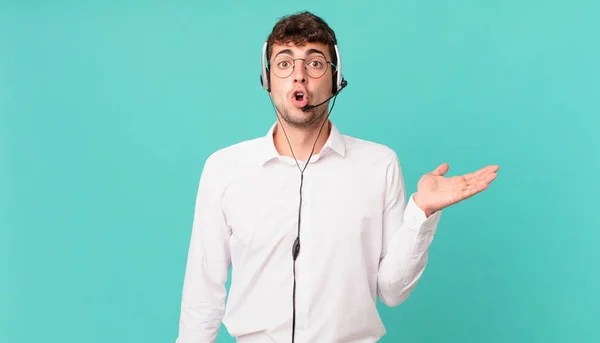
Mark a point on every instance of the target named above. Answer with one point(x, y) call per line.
point(204, 292)
point(407, 235)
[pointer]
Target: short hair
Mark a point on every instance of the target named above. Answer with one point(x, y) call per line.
point(301, 28)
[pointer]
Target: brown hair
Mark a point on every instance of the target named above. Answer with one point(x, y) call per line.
point(301, 28)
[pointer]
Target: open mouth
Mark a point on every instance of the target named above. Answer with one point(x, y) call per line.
point(299, 98)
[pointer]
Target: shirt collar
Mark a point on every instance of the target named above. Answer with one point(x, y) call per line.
point(335, 142)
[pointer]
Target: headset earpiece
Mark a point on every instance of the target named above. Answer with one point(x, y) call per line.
point(264, 75)
point(338, 77)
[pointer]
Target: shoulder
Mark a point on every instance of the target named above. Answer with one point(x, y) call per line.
point(232, 162)
point(234, 155)
point(227, 164)
point(370, 150)
point(377, 160)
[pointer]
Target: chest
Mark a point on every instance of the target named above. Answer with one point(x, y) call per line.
point(337, 212)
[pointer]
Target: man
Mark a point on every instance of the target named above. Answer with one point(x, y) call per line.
point(315, 224)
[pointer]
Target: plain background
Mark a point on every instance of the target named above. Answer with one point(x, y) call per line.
point(109, 109)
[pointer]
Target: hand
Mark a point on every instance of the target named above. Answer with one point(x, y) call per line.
point(435, 192)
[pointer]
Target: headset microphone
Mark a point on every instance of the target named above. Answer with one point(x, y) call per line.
point(310, 107)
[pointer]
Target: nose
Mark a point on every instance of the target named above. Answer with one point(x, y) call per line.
point(299, 73)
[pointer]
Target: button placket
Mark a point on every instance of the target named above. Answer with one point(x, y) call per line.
point(304, 265)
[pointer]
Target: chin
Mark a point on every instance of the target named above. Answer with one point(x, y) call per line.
point(298, 118)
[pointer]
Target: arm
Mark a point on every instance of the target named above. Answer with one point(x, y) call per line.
point(204, 293)
point(407, 235)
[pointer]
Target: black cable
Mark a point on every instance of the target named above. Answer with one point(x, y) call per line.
point(296, 246)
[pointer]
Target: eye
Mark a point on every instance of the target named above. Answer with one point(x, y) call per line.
point(284, 64)
point(316, 64)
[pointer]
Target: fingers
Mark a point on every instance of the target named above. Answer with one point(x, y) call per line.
point(475, 174)
point(489, 169)
point(482, 173)
point(475, 182)
point(441, 169)
point(489, 178)
point(474, 188)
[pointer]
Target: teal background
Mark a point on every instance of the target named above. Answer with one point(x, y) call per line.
point(108, 111)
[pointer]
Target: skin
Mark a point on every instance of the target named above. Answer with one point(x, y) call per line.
point(435, 190)
point(302, 128)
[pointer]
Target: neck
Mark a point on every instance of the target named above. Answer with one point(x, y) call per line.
point(302, 140)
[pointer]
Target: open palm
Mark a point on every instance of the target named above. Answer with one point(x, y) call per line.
point(436, 191)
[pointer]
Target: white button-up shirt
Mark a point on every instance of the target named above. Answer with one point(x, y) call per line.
point(360, 239)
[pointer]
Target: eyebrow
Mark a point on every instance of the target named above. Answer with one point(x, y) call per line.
point(308, 52)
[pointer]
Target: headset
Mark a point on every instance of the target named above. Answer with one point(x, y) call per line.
point(338, 84)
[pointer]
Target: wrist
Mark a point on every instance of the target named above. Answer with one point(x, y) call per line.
point(417, 198)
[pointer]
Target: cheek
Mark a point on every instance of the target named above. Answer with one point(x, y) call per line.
point(327, 82)
point(278, 88)
point(325, 86)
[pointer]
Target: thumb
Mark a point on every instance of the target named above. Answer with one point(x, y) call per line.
point(441, 169)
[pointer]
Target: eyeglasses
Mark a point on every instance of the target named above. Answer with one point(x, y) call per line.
point(316, 66)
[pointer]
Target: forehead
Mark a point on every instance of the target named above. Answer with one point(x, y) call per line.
point(291, 49)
